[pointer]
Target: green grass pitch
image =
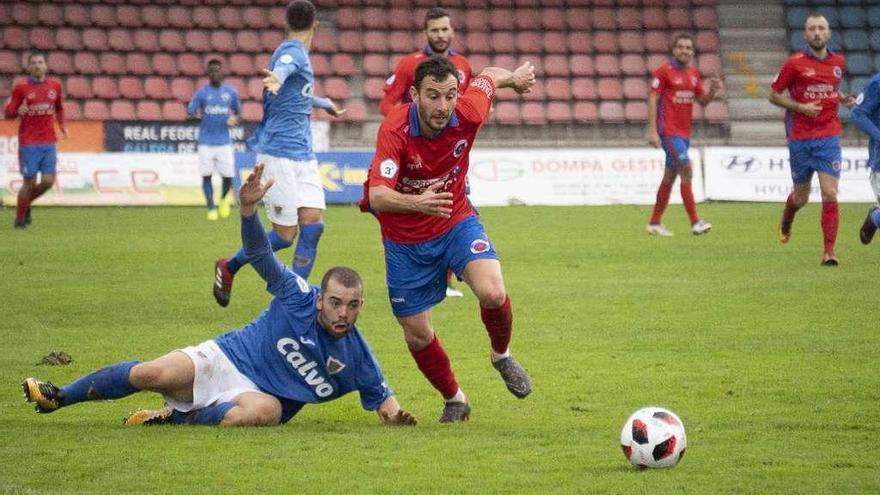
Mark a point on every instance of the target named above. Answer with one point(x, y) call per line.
point(769, 359)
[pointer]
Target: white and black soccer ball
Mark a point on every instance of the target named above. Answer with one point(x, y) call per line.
point(653, 437)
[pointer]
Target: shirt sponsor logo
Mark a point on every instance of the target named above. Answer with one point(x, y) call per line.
point(289, 348)
point(820, 92)
point(459, 147)
point(683, 96)
point(479, 246)
point(484, 85)
point(388, 168)
point(216, 109)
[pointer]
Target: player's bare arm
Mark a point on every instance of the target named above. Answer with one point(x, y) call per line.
point(392, 415)
point(253, 190)
point(651, 134)
point(335, 110)
point(270, 81)
point(810, 109)
point(430, 202)
point(521, 80)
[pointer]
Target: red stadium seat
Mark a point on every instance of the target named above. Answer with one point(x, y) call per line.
point(105, 87)
point(189, 64)
point(607, 65)
point(261, 61)
point(277, 18)
point(255, 18)
point(120, 40)
point(148, 110)
point(50, 15)
point(72, 110)
point(375, 42)
point(66, 38)
point(654, 18)
point(536, 94)
point(78, 87)
point(164, 64)
point(376, 65)
point(171, 40)
point(580, 42)
point(155, 16)
point(42, 38)
point(528, 41)
point(556, 65)
point(146, 40)
point(478, 42)
point(156, 88)
point(558, 112)
point(198, 41)
point(86, 63)
point(554, 42)
point(122, 110)
point(60, 63)
point(255, 89)
point(347, 18)
point(705, 18)
point(585, 111)
point(583, 88)
point(128, 16)
point(270, 40)
point(95, 40)
point(239, 85)
point(103, 16)
point(205, 17)
point(502, 41)
point(138, 63)
point(343, 65)
point(230, 18)
point(356, 111)
point(506, 113)
point(707, 42)
point(635, 88)
point(655, 60)
point(112, 63)
point(553, 19)
point(373, 88)
point(10, 63)
point(635, 111)
point(697, 112)
point(631, 41)
point(77, 16)
point(476, 20)
point(603, 19)
point(172, 110)
point(679, 18)
point(321, 65)
point(629, 18)
point(401, 42)
point(323, 42)
point(632, 65)
point(252, 111)
point(336, 88)
point(241, 65)
point(709, 64)
point(15, 38)
point(611, 111)
point(501, 19)
point(582, 65)
point(401, 19)
point(716, 112)
point(350, 41)
point(578, 20)
point(479, 62)
point(533, 113)
point(526, 19)
point(182, 89)
point(223, 41)
point(374, 18)
point(605, 42)
point(96, 110)
point(609, 88)
point(24, 14)
point(558, 88)
point(131, 88)
point(247, 41)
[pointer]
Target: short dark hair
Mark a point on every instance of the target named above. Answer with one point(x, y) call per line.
point(300, 15)
point(681, 36)
point(214, 61)
point(435, 13)
point(438, 67)
point(37, 53)
point(347, 277)
point(815, 15)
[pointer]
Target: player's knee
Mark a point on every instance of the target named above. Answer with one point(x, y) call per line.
point(416, 341)
point(47, 182)
point(145, 376)
point(493, 298)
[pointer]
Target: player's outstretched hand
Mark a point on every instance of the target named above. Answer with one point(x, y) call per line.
point(253, 190)
point(335, 110)
point(523, 78)
point(433, 202)
point(270, 81)
point(402, 418)
point(846, 100)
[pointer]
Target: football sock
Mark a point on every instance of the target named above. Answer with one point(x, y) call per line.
point(211, 415)
point(21, 206)
point(663, 193)
point(499, 325)
point(307, 248)
point(687, 197)
point(434, 364)
point(790, 209)
point(830, 220)
point(239, 259)
point(107, 383)
point(875, 216)
point(208, 189)
point(225, 187)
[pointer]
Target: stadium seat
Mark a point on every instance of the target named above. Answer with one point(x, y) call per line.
point(635, 88)
point(376, 65)
point(171, 40)
point(708, 42)
point(831, 14)
point(374, 18)
point(655, 60)
point(629, 18)
point(657, 41)
point(554, 42)
point(321, 65)
point(229, 18)
point(164, 65)
point(654, 18)
point(347, 18)
point(632, 65)
point(122, 110)
point(343, 65)
point(323, 42)
point(709, 64)
point(96, 110)
point(241, 65)
point(156, 88)
point(611, 111)
point(41, 38)
point(148, 110)
point(254, 18)
point(182, 89)
point(69, 39)
point(86, 63)
point(859, 64)
point(197, 41)
point(146, 40)
point(50, 15)
point(536, 94)
point(557, 88)
point(528, 41)
point(95, 40)
point(77, 16)
point(609, 88)
point(551, 20)
point(533, 113)
point(103, 16)
point(128, 16)
point(78, 87)
point(605, 42)
point(580, 42)
point(607, 65)
point(277, 19)
point(874, 42)
point(583, 88)
point(705, 18)
point(580, 65)
point(10, 63)
point(477, 42)
point(578, 20)
point(15, 38)
point(72, 110)
point(558, 112)
point(401, 19)
point(60, 63)
point(112, 63)
point(873, 16)
point(375, 42)
point(401, 42)
point(336, 88)
point(155, 16)
point(173, 110)
point(253, 89)
point(205, 17)
point(138, 63)
point(585, 111)
point(716, 112)
point(189, 64)
point(105, 87)
point(350, 41)
point(356, 111)
point(373, 88)
point(252, 111)
point(502, 42)
point(855, 39)
point(603, 19)
point(631, 41)
point(506, 113)
point(479, 62)
point(246, 41)
point(678, 18)
point(120, 40)
point(635, 111)
point(697, 112)
point(501, 20)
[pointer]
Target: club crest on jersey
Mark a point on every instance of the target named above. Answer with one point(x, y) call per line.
point(479, 246)
point(459, 147)
point(334, 365)
point(52, 94)
point(224, 97)
point(837, 72)
point(461, 76)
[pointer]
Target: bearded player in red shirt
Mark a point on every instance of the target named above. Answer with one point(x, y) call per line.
point(37, 101)
point(416, 187)
point(812, 78)
point(675, 86)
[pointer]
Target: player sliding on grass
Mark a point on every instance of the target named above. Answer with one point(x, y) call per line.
point(305, 348)
point(866, 116)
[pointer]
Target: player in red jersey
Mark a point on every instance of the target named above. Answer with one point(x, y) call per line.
point(812, 78)
point(37, 101)
point(417, 188)
point(675, 86)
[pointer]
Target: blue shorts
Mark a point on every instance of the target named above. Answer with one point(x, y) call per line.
point(814, 155)
point(416, 273)
point(34, 158)
point(676, 149)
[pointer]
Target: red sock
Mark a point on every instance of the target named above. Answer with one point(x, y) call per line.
point(790, 209)
point(21, 207)
point(448, 276)
point(687, 196)
point(434, 364)
point(499, 325)
point(830, 219)
point(663, 193)
point(38, 191)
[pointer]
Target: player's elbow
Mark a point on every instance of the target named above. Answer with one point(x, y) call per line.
point(377, 198)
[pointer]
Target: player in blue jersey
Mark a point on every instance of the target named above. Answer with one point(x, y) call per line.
point(303, 349)
point(219, 107)
point(866, 116)
point(283, 143)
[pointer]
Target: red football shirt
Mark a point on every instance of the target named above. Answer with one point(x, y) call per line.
point(397, 86)
point(676, 85)
point(44, 103)
point(408, 163)
point(809, 79)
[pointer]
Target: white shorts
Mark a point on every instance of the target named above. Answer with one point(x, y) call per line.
point(875, 184)
point(297, 185)
point(216, 158)
point(216, 379)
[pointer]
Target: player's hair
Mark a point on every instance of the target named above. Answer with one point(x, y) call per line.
point(435, 13)
point(300, 15)
point(438, 67)
point(214, 61)
point(815, 15)
point(681, 36)
point(36, 53)
point(346, 277)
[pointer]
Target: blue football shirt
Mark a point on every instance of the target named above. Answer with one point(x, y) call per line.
point(866, 115)
point(215, 104)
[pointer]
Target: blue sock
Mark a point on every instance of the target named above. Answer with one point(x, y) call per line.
point(107, 383)
point(875, 216)
point(208, 189)
point(239, 259)
point(211, 415)
point(307, 248)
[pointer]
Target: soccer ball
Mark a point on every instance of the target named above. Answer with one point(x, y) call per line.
point(653, 437)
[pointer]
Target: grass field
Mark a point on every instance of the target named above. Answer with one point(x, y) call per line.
point(770, 359)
